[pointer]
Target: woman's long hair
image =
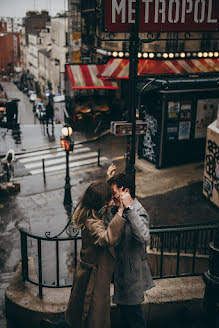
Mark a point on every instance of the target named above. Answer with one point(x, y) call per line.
point(93, 203)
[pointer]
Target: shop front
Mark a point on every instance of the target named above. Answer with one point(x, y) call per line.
point(178, 99)
point(89, 99)
point(178, 112)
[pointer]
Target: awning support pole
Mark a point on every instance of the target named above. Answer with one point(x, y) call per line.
point(133, 70)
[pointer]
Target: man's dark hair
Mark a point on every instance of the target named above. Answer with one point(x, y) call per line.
point(123, 180)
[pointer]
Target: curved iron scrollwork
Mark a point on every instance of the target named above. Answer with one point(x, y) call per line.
point(70, 228)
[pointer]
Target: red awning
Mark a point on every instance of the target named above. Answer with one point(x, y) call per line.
point(118, 68)
point(85, 77)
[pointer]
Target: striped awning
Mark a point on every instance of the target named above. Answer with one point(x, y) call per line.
point(87, 77)
point(118, 68)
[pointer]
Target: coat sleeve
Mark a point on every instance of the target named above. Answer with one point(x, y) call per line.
point(106, 236)
point(139, 223)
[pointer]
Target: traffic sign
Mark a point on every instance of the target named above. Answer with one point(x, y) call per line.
point(162, 15)
point(124, 128)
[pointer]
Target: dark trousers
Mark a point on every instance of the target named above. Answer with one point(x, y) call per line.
point(131, 316)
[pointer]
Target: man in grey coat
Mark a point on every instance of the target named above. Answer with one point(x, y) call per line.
point(132, 274)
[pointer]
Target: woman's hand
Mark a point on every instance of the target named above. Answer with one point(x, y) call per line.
point(110, 171)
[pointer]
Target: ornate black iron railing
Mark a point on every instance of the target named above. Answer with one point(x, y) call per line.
point(182, 241)
point(72, 234)
point(178, 241)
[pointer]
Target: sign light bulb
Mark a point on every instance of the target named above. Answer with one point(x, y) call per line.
point(182, 55)
point(199, 54)
point(139, 55)
point(145, 55)
point(121, 54)
point(115, 53)
point(216, 54)
point(151, 55)
point(165, 55)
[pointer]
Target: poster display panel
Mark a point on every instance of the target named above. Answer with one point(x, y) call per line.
point(186, 110)
point(172, 131)
point(173, 109)
point(184, 130)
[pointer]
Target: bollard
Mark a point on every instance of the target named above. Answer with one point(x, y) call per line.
point(98, 157)
point(44, 173)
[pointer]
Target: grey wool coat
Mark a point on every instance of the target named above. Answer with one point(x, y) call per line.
point(89, 303)
point(132, 274)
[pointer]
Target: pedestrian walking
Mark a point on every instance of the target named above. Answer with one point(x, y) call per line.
point(132, 274)
point(89, 303)
point(49, 116)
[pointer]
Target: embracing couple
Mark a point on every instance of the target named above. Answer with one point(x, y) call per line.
point(115, 230)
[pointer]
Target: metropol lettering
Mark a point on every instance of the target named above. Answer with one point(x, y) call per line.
point(165, 11)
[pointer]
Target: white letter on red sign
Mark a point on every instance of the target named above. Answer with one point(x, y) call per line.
point(160, 11)
point(146, 19)
point(196, 19)
point(210, 20)
point(184, 10)
point(170, 11)
point(118, 8)
point(131, 11)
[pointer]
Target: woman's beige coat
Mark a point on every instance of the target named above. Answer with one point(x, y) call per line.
point(89, 303)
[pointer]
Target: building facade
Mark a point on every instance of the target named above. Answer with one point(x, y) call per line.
point(14, 24)
point(10, 60)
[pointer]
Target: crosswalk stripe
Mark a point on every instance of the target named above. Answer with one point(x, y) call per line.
point(52, 155)
point(71, 165)
point(47, 151)
point(60, 160)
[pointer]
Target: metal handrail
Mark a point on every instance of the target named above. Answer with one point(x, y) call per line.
point(184, 227)
point(57, 239)
point(180, 240)
point(160, 240)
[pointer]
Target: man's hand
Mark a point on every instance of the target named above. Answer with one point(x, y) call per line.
point(120, 204)
point(110, 172)
point(126, 198)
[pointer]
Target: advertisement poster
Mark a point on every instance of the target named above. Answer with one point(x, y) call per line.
point(206, 114)
point(172, 131)
point(173, 109)
point(184, 130)
point(186, 110)
point(76, 47)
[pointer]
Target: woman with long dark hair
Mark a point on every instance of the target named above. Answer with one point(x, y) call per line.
point(89, 303)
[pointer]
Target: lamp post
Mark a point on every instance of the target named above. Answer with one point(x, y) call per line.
point(68, 146)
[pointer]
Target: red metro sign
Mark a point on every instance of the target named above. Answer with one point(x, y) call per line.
point(162, 15)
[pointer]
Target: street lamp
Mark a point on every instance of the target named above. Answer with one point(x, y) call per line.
point(68, 145)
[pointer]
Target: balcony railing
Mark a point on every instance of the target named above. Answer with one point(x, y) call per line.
point(190, 242)
point(172, 242)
